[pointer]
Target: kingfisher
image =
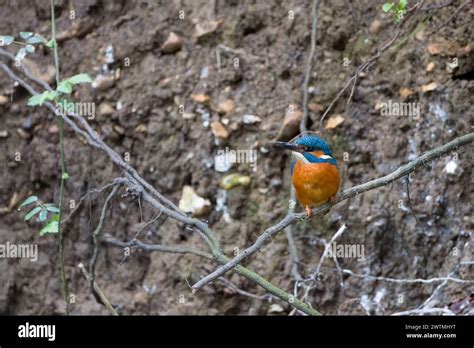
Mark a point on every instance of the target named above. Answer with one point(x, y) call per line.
point(314, 172)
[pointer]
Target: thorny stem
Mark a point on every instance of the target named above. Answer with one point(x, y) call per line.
point(63, 167)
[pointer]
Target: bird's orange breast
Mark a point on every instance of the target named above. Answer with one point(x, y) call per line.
point(315, 183)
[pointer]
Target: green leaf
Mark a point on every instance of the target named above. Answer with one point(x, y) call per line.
point(387, 6)
point(403, 4)
point(26, 34)
point(65, 87)
point(30, 48)
point(52, 208)
point(81, 78)
point(65, 176)
point(39, 99)
point(36, 39)
point(6, 40)
point(29, 200)
point(51, 44)
point(32, 213)
point(43, 215)
point(52, 226)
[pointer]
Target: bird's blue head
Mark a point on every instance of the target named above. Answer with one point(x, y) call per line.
point(314, 143)
point(310, 149)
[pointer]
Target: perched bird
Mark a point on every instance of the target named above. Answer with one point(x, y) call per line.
point(315, 175)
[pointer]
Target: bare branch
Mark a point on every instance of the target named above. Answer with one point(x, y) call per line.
point(454, 14)
point(294, 258)
point(239, 291)
point(349, 193)
point(309, 65)
point(96, 235)
point(153, 197)
point(326, 250)
point(446, 279)
point(155, 247)
point(102, 296)
point(431, 311)
point(371, 61)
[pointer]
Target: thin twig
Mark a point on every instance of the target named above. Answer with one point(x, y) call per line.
point(309, 65)
point(407, 188)
point(62, 166)
point(431, 311)
point(294, 258)
point(442, 25)
point(137, 183)
point(369, 63)
point(277, 292)
point(96, 234)
point(369, 277)
point(155, 247)
point(239, 291)
point(327, 247)
point(82, 199)
point(346, 194)
point(102, 296)
point(149, 193)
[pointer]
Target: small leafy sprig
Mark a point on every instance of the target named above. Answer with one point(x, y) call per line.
point(30, 40)
point(65, 87)
point(398, 10)
point(42, 211)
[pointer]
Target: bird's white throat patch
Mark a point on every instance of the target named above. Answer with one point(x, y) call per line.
point(325, 157)
point(299, 156)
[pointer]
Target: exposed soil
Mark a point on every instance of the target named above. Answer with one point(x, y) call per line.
point(171, 151)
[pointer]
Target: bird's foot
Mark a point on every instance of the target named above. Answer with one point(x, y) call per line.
point(332, 199)
point(309, 212)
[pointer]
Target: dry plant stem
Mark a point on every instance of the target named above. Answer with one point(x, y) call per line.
point(448, 278)
point(63, 168)
point(136, 244)
point(407, 189)
point(303, 128)
point(96, 234)
point(432, 311)
point(168, 208)
point(437, 7)
point(219, 256)
point(81, 200)
point(309, 65)
point(454, 14)
point(295, 260)
point(326, 250)
point(98, 291)
point(346, 194)
point(305, 308)
point(239, 291)
point(369, 63)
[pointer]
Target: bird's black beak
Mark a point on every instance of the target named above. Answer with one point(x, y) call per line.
point(289, 146)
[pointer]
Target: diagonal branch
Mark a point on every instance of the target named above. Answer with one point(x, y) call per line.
point(155, 247)
point(346, 194)
point(147, 192)
point(153, 197)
